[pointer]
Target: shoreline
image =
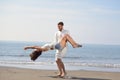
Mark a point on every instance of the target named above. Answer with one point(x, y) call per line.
point(42, 66)
point(11, 73)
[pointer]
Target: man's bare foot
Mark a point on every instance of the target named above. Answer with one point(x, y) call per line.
point(77, 46)
point(63, 75)
point(59, 74)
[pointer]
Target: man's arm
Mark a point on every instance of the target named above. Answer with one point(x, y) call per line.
point(55, 38)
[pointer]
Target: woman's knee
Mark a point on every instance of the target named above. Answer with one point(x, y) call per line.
point(66, 35)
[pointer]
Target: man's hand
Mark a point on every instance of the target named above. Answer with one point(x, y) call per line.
point(51, 48)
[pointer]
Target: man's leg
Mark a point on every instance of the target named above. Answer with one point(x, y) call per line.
point(58, 61)
point(63, 68)
point(70, 40)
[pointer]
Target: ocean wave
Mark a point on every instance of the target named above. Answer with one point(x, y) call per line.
point(67, 57)
point(43, 56)
point(83, 64)
point(105, 65)
point(14, 55)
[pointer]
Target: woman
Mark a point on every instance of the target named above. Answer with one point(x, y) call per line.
point(58, 46)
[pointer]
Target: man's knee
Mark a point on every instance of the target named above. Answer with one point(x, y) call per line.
point(58, 60)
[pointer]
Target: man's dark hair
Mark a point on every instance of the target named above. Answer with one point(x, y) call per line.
point(61, 23)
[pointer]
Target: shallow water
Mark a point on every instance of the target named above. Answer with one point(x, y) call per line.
point(89, 57)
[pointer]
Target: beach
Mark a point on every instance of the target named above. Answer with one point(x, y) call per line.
point(92, 62)
point(10, 73)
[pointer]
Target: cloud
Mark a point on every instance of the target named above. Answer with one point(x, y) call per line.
point(13, 9)
point(105, 11)
point(20, 8)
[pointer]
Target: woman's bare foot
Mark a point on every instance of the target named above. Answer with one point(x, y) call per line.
point(77, 46)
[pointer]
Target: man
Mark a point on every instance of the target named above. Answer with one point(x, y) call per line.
point(60, 53)
point(60, 43)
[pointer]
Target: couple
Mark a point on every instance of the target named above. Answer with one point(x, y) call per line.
point(60, 45)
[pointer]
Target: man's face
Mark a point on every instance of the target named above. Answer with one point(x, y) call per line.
point(60, 27)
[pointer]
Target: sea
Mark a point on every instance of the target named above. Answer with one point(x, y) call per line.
point(91, 57)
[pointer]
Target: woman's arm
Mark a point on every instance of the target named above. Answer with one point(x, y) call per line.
point(36, 47)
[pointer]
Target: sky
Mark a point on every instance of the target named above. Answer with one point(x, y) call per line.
point(89, 21)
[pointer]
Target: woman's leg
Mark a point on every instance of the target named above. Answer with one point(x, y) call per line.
point(70, 40)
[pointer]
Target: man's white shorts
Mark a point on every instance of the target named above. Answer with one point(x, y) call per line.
point(60, 53)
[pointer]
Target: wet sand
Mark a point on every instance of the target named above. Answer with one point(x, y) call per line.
point(8, 73)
